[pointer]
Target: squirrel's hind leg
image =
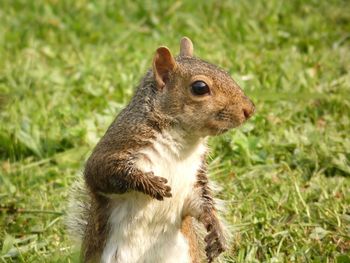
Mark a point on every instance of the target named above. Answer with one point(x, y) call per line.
point(189, 230)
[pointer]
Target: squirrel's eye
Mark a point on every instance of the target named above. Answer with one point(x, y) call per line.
point(200, 88)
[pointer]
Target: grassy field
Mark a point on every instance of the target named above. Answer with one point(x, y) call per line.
point(68, 67)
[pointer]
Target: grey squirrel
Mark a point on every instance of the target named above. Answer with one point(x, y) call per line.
point(146, 181)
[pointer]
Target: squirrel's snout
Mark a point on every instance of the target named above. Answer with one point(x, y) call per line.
point(248, 109)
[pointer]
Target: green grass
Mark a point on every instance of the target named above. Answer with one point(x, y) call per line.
point(68, 67)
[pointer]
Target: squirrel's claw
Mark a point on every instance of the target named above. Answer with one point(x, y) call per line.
point(157, 188)
point(215, 244)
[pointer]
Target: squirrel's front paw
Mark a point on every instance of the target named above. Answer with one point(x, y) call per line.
point(157, 188)
point(215, 243)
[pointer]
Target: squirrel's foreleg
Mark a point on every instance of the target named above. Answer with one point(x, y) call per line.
point(117, 176)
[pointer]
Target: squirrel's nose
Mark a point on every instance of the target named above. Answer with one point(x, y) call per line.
point(248, 109)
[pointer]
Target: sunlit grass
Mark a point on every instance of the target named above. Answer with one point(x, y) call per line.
point(68, 67)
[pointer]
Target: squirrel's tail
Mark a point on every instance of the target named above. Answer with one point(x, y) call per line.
point(77, 212)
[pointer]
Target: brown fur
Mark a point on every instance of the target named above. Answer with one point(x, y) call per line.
point(96, 230)
point(189, 232)
point(162, 101)
point(215, 240)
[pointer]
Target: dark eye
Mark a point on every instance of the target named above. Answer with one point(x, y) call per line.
point(200, 88)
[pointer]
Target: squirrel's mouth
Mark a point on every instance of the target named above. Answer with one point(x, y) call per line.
point(224, 130)
point(220, 129)
point(221, 125)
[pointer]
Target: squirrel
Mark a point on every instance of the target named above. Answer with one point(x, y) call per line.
point(146, 179)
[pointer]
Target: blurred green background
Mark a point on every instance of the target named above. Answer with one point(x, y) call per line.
point(68, 67)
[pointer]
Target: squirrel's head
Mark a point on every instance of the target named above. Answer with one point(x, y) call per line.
point(197, 95)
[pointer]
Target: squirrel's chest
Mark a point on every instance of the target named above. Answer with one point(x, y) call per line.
point(165, 158)
point(148, 230)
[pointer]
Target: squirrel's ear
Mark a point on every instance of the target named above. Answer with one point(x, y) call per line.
point(186, 47)
point(163, 64)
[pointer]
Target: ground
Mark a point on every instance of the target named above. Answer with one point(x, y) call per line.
point(68, 67)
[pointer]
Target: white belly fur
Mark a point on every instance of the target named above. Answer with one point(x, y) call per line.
point(145, 230)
